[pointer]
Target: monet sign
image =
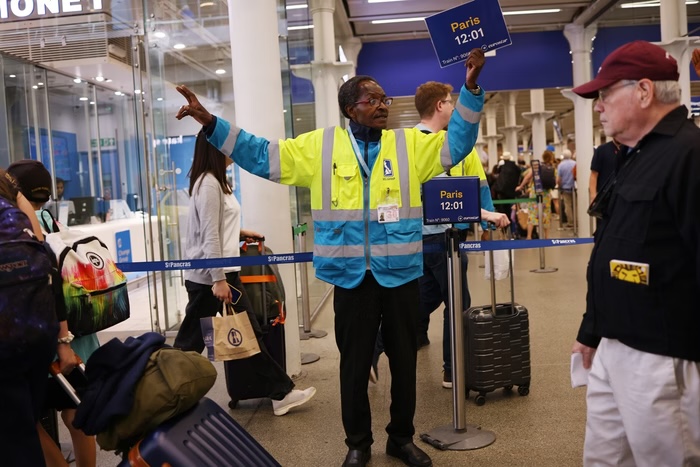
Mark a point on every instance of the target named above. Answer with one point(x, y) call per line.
point(25, 9)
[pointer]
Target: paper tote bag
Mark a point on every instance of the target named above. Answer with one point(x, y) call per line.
point(229, 337)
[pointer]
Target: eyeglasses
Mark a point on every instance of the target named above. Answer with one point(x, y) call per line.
point(374, 102)
point(604, 94)
point(448, 100)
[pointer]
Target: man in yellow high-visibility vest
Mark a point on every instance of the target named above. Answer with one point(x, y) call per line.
point(366, 205)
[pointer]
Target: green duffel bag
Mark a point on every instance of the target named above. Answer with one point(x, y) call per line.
point(172, 382)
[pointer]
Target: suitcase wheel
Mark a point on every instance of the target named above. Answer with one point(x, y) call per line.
point(508, 388)
point(480, 399)
point(232, 404)
point(523, 390)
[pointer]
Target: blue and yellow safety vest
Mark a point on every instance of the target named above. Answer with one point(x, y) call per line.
point(348, 237)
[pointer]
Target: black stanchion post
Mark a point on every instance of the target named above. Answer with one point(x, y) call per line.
point(305, 331)
point(459, 436)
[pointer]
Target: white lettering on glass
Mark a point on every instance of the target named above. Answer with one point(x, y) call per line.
point(52, 6)
point(22, 12)
point(69, 6)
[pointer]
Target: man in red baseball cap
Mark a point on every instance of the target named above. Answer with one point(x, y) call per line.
point(640, 334)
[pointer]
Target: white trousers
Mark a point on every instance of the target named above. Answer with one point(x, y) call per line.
point(643, 409)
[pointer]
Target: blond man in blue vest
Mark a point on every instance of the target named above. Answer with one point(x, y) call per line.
point(366, 205)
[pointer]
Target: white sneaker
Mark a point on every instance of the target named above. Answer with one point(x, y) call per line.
point(295, 398)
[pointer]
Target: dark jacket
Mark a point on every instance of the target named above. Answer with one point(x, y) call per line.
point(653, 218)
point(508, 179)
point(112, 372)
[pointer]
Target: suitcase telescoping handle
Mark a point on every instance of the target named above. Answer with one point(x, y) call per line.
point(492, 227)
point(55, 370)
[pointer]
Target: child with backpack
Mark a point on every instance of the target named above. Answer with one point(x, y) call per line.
point(35, 182)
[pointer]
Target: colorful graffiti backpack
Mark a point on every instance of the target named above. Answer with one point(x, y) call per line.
point(27, 308)
point(94, 289)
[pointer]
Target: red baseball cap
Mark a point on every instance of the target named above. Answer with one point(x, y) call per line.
point(635, 60)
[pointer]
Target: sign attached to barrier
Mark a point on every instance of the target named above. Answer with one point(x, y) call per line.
point(536, 176)
point(18, 10)
point(449, 200)
point(477, 24)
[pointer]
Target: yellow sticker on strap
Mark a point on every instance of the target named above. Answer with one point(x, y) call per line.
point(629, 271)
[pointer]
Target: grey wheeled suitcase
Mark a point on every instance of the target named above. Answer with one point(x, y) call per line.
point(497, 345)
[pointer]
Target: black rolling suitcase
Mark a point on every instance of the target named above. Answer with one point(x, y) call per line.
point(204, 436)
point(264, 288)
point(497, 345)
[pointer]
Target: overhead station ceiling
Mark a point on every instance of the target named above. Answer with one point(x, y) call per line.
point(367, 20)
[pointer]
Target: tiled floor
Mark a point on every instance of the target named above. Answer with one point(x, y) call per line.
point(543, 429)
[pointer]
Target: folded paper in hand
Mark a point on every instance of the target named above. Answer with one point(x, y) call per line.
point(579, 375)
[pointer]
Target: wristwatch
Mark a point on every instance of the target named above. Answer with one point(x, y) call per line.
point(66, 339)
point(476, 91)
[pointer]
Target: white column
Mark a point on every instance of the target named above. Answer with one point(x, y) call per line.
point(511, 129)
point(525, 137)
point(674, 27)
point(580, 40)
point(322, 72)
point(257, 90)
point(538, 116)
point(351, 48)
point(480, 141)
point(492, 137)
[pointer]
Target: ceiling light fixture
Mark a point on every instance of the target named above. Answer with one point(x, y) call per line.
point(13, 76)
point(300, 6)
point(531, 12)
point(159, 99)
point(652, 3)
point(83, 98)
point(298, 28)
point(99, 78)
point(179, 46)
point(159, 35)
point(397, 20)
point(77, 80)
point(220, 71)
point(206, 4)
point(92, 102)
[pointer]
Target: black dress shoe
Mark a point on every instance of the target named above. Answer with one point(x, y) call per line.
point(409, 453)
point(357, 458)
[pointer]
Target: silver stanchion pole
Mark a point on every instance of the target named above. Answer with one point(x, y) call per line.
point(459, 436)
point(305, 331)
point(540, 226)
point(575, 209)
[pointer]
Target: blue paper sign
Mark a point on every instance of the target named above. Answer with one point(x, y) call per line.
point(449, 200)
point(456, 31)
point(536, 176)
point(123, 241)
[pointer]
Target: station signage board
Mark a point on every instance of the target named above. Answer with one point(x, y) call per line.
point(13, 10)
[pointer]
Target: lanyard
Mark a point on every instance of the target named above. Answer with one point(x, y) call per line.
point(360, 159)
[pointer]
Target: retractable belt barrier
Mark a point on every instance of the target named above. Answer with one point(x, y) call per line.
point(308, 256)
point(514, 201)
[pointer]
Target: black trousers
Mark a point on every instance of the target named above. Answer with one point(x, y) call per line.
point(269, 376)
point(358, 313)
